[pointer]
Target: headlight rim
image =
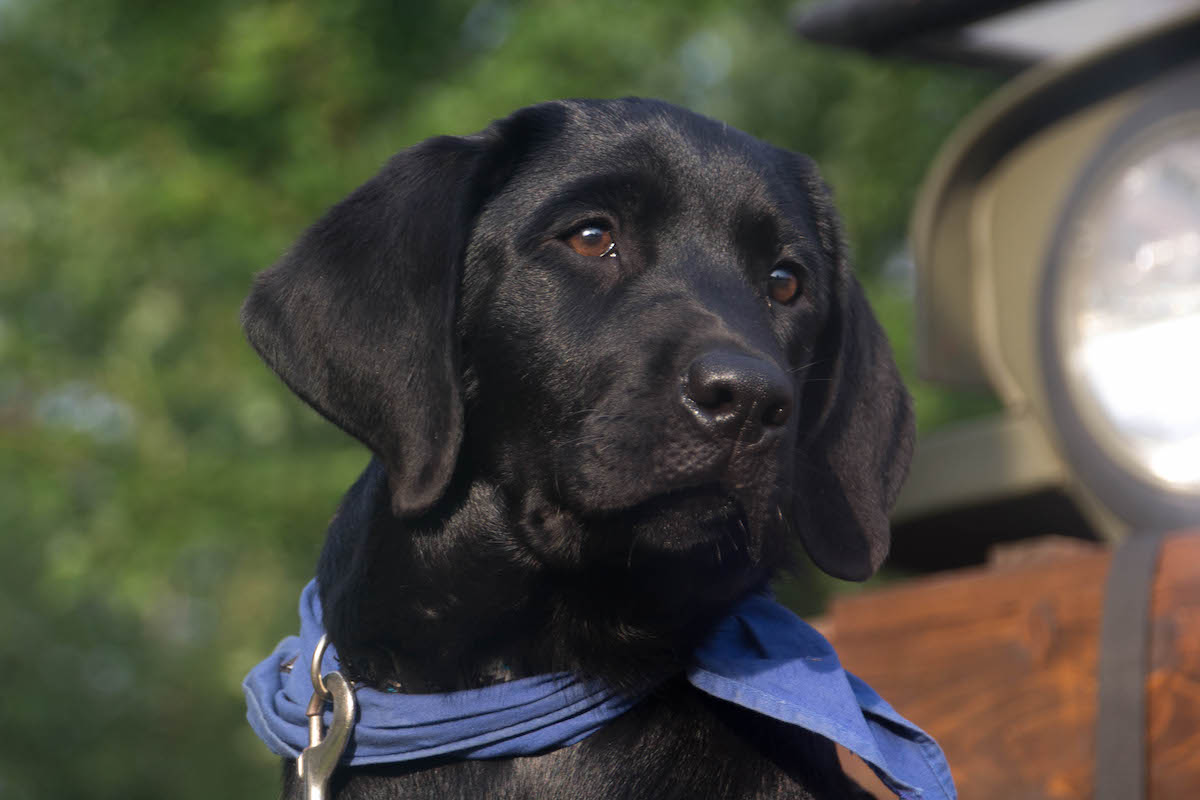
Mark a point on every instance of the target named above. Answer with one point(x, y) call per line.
point(1128, 492)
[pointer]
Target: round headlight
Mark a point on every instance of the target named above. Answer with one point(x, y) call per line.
point(1121, 318)
point(1128, 320)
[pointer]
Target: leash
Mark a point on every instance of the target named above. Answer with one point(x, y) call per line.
point(318, 761)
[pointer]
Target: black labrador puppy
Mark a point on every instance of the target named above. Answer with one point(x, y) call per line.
point(610, 359)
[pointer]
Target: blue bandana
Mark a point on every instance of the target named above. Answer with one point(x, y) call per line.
point(761, 657)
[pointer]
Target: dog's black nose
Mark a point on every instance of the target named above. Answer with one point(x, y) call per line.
point(737, 396)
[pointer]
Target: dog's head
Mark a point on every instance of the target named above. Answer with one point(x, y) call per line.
point(637, 324)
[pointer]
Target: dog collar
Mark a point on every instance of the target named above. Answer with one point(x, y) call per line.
point(761, 657)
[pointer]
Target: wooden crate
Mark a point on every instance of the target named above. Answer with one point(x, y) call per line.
point(999, 664)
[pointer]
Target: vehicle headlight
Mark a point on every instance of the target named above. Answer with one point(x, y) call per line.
point(1121, 311)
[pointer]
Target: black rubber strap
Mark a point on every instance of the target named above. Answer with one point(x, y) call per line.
point(1124, 667)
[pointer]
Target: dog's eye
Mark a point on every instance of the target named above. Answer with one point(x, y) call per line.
point(593, 241)
point(783, 285)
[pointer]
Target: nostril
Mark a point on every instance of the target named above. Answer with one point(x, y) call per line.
point(711, 392)
point(723, 400)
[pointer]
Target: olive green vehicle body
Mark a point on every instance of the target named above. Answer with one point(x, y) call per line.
point(983, 231)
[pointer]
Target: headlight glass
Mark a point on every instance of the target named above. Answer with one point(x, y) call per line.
point(1128, 316)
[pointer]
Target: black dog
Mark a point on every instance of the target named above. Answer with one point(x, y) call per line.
point(610, 358)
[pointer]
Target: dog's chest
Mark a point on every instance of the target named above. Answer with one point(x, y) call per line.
point(676, 744)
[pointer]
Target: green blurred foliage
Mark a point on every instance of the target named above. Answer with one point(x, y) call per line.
point(162, 496)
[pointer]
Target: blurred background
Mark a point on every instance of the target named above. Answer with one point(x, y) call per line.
point(162, 496)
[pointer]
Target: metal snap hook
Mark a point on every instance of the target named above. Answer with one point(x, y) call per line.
point(314, 670)
point(318, 761)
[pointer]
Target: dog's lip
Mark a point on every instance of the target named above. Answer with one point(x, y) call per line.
point(719, 503)
point(709, 513)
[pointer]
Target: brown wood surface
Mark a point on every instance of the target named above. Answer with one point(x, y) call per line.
point(999, 665)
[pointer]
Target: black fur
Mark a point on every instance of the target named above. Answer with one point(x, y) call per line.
point(580, 463)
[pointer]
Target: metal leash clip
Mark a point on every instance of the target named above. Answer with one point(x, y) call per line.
point(318, 761)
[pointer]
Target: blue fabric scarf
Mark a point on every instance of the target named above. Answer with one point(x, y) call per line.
point(761, 657)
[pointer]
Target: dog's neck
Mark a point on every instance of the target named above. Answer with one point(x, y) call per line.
point(453, 600)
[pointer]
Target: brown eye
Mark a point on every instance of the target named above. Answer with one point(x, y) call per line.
point(593, 241)
point(783, 285)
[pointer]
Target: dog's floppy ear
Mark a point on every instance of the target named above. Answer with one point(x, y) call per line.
point(857, 439)
point(358, 318)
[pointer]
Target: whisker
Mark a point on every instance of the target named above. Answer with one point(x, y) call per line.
point(809, 364)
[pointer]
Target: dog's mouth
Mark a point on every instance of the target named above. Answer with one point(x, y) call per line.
point(707, 525)
point(706, 519)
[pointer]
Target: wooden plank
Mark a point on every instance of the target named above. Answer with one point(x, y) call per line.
point(1174, 682)
point(999, 664)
